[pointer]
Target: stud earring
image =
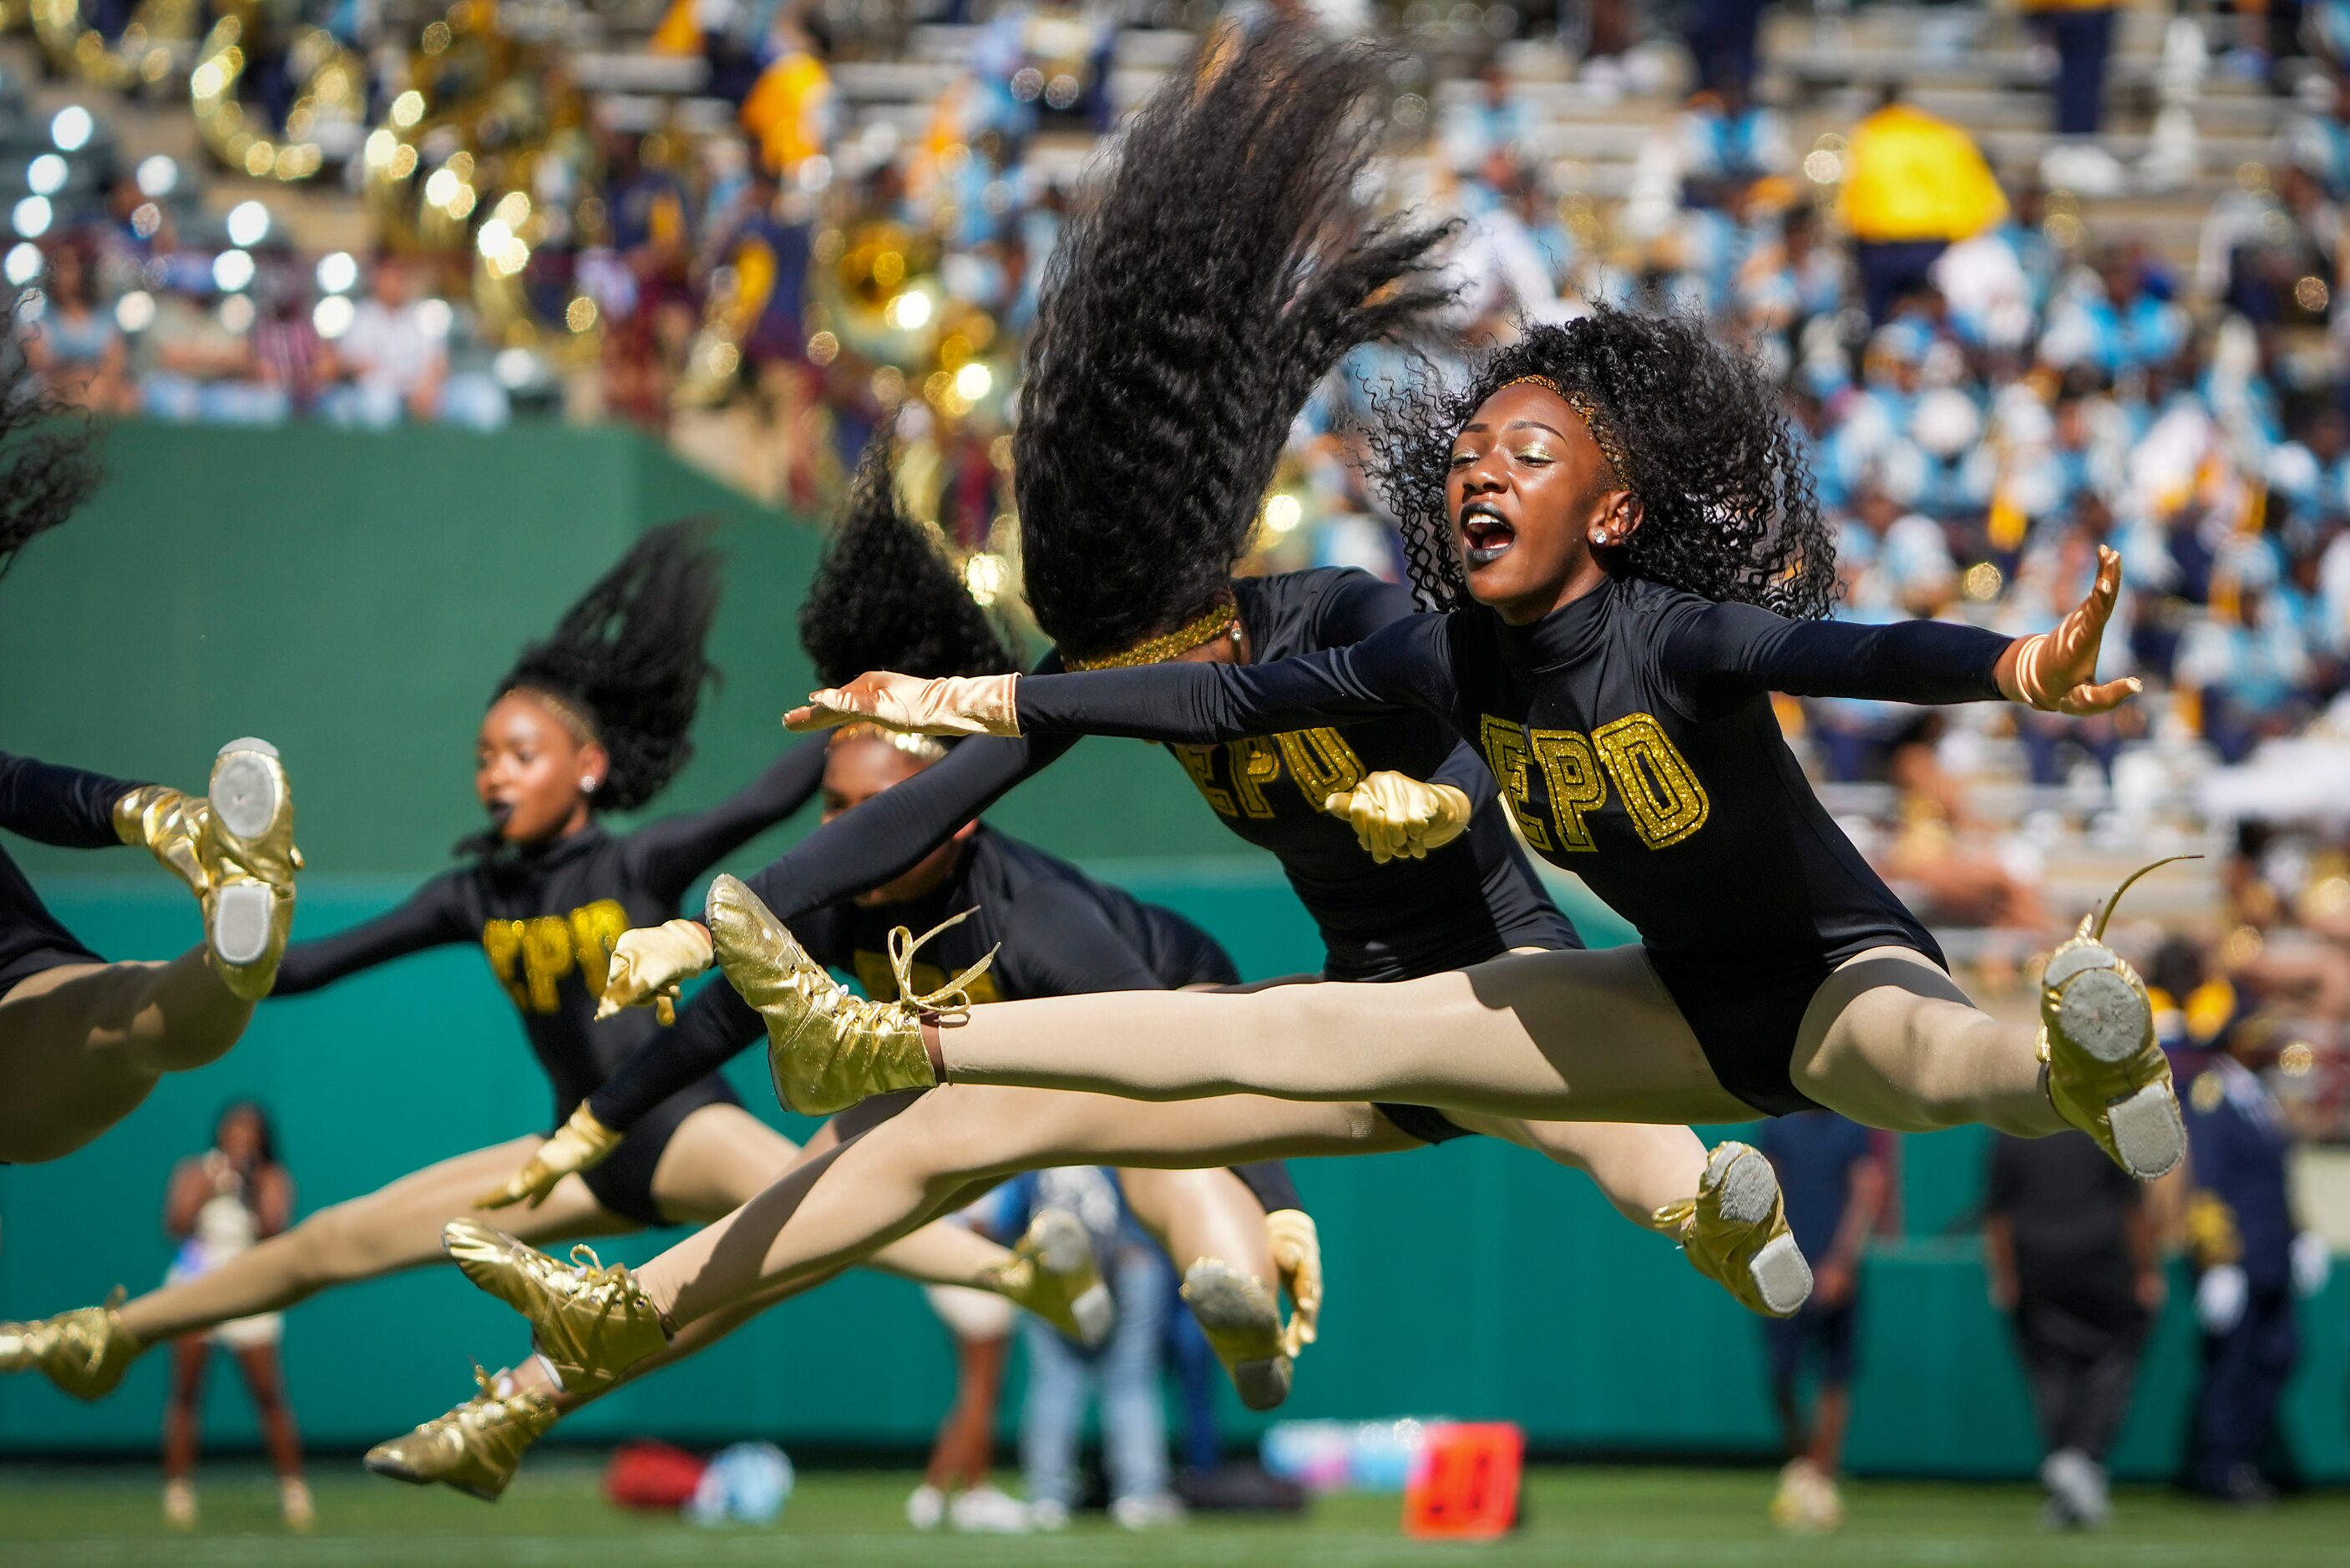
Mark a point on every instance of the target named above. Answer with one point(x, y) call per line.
point(587, 786)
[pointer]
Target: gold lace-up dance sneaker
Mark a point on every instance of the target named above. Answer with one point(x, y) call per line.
point(2106, 1075)
point(829, 1047)
point(1242, 1320)
point(1735, 1232)
point(1052, 1273)
point(475, 1448)
point(592, 1322)
point(84, 1351)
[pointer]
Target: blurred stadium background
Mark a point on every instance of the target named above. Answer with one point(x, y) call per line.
point(406, 319)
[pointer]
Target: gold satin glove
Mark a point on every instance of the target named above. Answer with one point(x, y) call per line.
point(1297, 1259)
point(649, 963)
point(577, 1143)
point(959, 705)
point(2056, 671)
point(171, 826)
point(1398, 817)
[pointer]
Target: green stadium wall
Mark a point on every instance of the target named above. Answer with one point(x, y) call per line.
point(353, 597)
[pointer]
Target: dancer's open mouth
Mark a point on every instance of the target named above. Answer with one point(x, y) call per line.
point(1485, 534)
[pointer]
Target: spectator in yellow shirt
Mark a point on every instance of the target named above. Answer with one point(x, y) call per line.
point(1914, 185)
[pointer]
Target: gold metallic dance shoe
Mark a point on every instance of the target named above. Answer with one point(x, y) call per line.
point(1243, 1322)
point(1735, 1232)
point(2106, 1075)
point(1052, 1273)
point(590, 1322)
point(84, 1351)
point(171, 826)
point(475, 1448)
point(249, 861)
point(829, 1047)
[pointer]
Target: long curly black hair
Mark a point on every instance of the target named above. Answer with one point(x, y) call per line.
point(885, 597)
point(49, 458)
point(1727, 511)
point(1203, 286)
point(629, 658)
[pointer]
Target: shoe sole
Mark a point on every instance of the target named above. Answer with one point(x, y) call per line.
point(391, 1470)
point(1746, 1189)
point(248, 795)
point(2107, 1019)
point(1062, 1247)
point(1222, 1304)
point(248, 789)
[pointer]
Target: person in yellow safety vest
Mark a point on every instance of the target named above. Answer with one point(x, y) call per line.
point(1914, 185)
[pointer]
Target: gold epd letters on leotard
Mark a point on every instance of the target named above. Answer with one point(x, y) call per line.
point(1320, 762)
point(529, 957)
point(1660, 790)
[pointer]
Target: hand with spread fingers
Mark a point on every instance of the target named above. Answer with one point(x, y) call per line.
point(577, 1143)
point(2056, 671)
point(1398, 817)
point(649, 964)
point(1297, 1259)
point(957, 705)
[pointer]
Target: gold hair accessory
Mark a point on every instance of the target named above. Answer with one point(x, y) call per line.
point(1619, 466)
point(571, 718)
point(1220, 618)
point(927, 748)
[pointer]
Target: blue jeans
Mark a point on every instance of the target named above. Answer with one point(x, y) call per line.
point(1134, 1421)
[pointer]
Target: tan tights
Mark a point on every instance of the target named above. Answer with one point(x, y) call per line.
point(82, 1045)
point(1592, 1036)
point(718, 1158)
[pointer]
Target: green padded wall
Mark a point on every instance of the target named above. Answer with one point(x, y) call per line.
point(354, 598)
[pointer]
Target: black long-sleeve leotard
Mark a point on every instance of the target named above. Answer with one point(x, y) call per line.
point(1466, 902)
point(546, 917)
point(49, 804)
point(1632, 733)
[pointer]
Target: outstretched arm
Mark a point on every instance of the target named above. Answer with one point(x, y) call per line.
point(65, 806)
point(1404, 666)
point(427, 918)
point(672, 852)
point(1719, 656)
point(710, 1030)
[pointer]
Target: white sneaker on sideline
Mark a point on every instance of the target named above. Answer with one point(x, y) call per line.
point(926, 1507)
point(1047, 1515)
point(180, 1504)
point(1153, 1510)
point(985, 1511)
point(295, 1506)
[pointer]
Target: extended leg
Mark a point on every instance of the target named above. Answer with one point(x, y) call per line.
point(1577, 1035)
point(838, 1207)
point(84, 1043)
point(393, 1227)
point(721, 1157)
point(1638, 1167)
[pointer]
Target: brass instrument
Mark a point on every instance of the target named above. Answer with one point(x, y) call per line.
point(333, 93)
point(469, 160)
point(157, 40)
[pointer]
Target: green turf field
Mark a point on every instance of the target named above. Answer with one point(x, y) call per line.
point(1596, 1517)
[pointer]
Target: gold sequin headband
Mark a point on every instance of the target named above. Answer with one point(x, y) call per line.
point(1199, 633)
point(928, 748)
point(1619, 466)
point(582, 730)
